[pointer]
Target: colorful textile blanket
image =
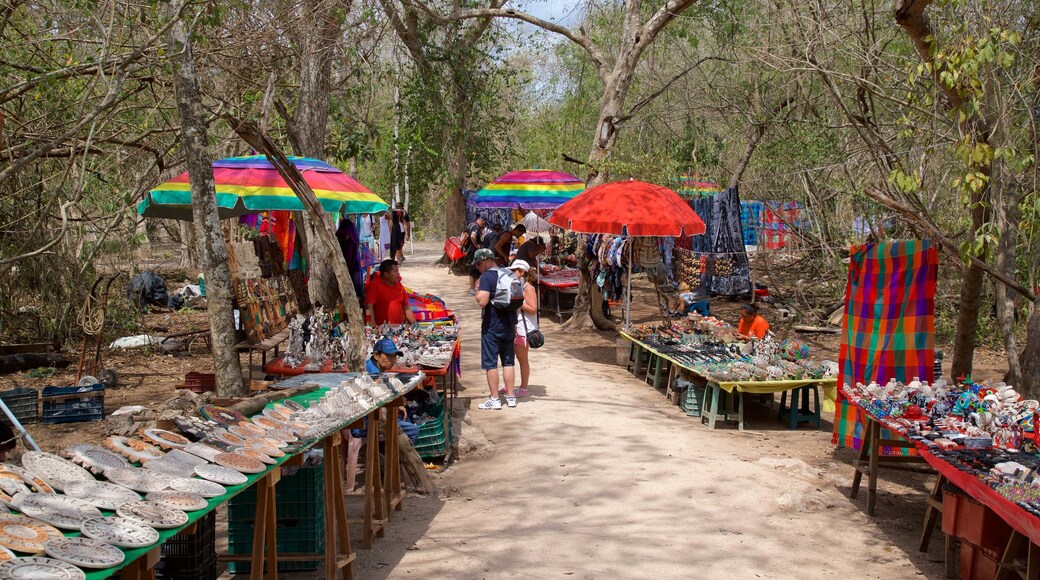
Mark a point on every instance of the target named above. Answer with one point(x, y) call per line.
point(428, 307)
point(889, 328)
point(751, 221)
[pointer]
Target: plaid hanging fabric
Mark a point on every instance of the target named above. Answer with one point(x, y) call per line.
point(889, 327)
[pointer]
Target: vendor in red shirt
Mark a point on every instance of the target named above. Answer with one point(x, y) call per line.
point(752, 324)
point(385, 298)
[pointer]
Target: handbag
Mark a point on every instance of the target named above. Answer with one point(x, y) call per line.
point(535, 338)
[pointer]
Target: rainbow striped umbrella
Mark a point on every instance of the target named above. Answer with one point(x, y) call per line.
point(251, 184)
point(529, 189)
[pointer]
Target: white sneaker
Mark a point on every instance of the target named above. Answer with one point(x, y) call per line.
point(510, 402)
point(493, 405)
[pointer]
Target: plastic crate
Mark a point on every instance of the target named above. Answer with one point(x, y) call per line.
point(73, 404)
point(434, 439)
point(191, 556)
point(200, 382)
point(292, 539)
point(24, 403)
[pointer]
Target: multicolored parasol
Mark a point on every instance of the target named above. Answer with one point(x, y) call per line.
point(693, 187)
point(251, 184)
point(529, 189)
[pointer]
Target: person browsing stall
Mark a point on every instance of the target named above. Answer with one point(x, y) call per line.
point(529, 251)
point(385, 298)
point(752, 324)
point(497, 331)
point(526, 322)
point(505, 241)
point(384, 357)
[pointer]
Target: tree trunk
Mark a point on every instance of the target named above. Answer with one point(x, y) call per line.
point(208, 235)
point(325, 234)
point(1029, 360)
point(308, 127)
point(967, 322)
point(189, 250)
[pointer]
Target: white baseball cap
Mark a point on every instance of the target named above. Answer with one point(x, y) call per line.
point(520, 265)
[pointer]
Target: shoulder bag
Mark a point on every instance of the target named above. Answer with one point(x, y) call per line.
point(535, 338)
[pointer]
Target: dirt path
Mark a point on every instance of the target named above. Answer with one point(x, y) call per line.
point(596, 475)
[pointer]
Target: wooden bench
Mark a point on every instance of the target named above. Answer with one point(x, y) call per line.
point(271, 343)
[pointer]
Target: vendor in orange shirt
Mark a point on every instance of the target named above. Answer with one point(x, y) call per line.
point(385, 298)
point(752, 324)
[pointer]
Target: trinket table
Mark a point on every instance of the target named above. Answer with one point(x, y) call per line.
point(557, 285)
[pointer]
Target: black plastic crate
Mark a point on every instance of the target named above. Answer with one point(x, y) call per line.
point(73, 404)
point(24, 403)
point(191, 556)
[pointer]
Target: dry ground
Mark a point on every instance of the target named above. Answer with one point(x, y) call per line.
point(596, 475)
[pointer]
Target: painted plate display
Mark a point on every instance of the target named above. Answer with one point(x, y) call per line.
point(95, 457)
point(202, 487)
point(265, 447)
point(120, 532)
point(258, 455)
point(166, 439)
point(60, 511)
point(267, 423)
point(84, 552)
point(277, 443)
point(229, 438)
point(240, 462)
point(38, 485)
point(276, 414)
point(38, 568)
point(55, 470)
point(283, 434)
point(294, 406)
point(137, 479)
point(133, 449)
point(225, 417)
point(101, 494)
point(23, 534)
point(153, 515)
point(178, 500)
point(202, 450)
point(6, 554)
point(221, 475)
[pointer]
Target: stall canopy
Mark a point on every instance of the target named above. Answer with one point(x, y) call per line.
point(535, 224)
point(251, 184)
point(529, 189)
point(634, 208)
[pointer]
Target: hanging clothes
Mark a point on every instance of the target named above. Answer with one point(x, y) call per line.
point(384, 237)
point(719, 252)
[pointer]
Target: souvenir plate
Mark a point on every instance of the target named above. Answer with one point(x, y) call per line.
point(11, 484)
point(285, 434)
point(178, 500)
point(297, 427)
point(240, 462)
point(23, 534)
point(94, 457)
point(257, 455)
point(137, 479)
point(221, 475)
point(265, 447)
point(276, 414)
point(6, 554)
point(294, 406)
point(221, 415)
point(202, 487)
point(229, 438)
point(84, 552)
point(202, 450)
point(60, 511)
point(53, 469)
point(101, 494)
point(37, 568)
point(153, 515)
point(247, 430)
point(267, 423)
point(120, 532)
point(171, 468)
point(38, 485)
point(166, 439)
point(276, 443)
point(133, 449)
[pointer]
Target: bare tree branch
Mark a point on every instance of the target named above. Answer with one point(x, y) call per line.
point(646, 100)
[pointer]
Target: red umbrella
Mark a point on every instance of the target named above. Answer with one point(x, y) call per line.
point(636, 208)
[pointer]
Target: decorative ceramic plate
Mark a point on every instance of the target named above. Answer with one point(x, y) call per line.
point(137, 479)
point(202, 450)
point(153, 515)
point(178, 500)
point(133, 449)
point(53, 469)
point(23, 534)
point(37, 568)
point(6, 554)
point(38, 485)
point(171, 468)
point(265, 447)
point(267, 423)
point(229, 438)
point(257, 455)
point(84, 552)
point(96, 458)
point(221, 475)
point(120, 532)
point(11, 484)
point(221, 415)
point(202, 487)
point(101, 494)
point(283, 434)
point(60, 511)
point(272, 441)
point(276, 414)
point(166, 439)
point(294, 406)
point(247, 430)
point(297, 427)
point(220, 444)
point(240, 462)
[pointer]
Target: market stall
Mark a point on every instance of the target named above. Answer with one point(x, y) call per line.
point(69, 512)
point(554, 283)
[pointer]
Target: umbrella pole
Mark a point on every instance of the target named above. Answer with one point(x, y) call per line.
point(628, 290)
